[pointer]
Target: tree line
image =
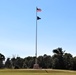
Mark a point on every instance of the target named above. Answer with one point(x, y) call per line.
point(59, 60)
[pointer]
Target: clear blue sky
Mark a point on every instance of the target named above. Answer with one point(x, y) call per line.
point(57, 27)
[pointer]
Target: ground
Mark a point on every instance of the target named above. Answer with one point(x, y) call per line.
point(36, 72)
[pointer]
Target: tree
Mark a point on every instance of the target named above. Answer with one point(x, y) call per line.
point(2, 58)
point(18, 63)
point(47, 61)
point(13, 62)
point(8, 63)
point(44, 61)
point(55, 63)
point(57, 59)
point(68, 61)
point(40, 61)
point(29, 61)
point(74, 63)
point(58, 51)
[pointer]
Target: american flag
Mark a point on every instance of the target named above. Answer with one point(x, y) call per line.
point(38, 10)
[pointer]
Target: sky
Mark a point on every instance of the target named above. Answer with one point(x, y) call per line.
point(56, 28)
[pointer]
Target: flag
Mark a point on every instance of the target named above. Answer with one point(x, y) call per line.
point(38, 18)
point(38, 10)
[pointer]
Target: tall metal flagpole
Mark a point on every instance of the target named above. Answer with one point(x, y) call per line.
point(36, 65)
point(36, 38)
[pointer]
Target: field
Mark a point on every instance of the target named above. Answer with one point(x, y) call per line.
point(36, 72)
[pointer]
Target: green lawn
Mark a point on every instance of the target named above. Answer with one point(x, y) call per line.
point(36, 72)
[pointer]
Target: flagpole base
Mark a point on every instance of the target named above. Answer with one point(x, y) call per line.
point(36, 66)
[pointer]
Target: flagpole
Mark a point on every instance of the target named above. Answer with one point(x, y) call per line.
point(36, 65)
point(36, 38)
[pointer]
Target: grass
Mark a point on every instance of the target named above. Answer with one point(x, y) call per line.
point(36, 72)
